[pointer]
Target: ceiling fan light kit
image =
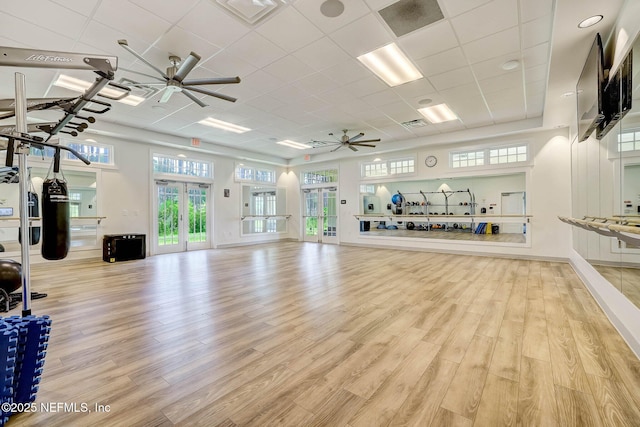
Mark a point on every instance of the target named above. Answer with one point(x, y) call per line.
point(345, 141)
point(174, 79)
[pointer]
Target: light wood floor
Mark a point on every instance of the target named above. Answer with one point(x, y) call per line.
point(449, 235)
point(322, 335)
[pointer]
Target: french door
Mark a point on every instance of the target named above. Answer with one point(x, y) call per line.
point(181, 217)
point(320, 215)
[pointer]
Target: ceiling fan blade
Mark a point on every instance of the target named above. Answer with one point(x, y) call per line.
point(125, 45)
point(165, 96)
point(368, 140)
point(352, 148)
point(193, 98)
point(143, 84)
point(208, 92)
point(360, 144)
point(143, 74)
point(186, 66)
point(335, 149)
point(212, 81)
point(356, 137)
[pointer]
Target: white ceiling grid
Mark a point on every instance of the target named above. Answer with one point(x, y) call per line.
point(300, 76)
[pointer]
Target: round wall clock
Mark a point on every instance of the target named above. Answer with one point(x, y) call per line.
point(431, 161)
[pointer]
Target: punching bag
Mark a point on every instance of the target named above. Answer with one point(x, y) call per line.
point(56, 233)
point(34, 212)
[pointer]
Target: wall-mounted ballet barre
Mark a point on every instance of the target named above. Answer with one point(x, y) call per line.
point(617, 227)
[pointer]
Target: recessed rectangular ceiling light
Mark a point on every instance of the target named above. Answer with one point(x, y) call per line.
point(79, 85)
point(215, 123)
point(438, 113)
point(391, 65)
point(293, 144)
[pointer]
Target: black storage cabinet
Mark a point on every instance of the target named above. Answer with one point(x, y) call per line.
point(123, 247)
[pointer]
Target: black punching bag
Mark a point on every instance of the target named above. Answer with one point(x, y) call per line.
point(34, 212)
point(56, 233)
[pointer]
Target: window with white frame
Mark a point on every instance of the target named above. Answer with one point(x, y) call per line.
point(367, 189)
point(629, 141)
point(465, 159)
point(94, 152)
point(181, 166)
point(252, 174)
point(319, 177)
point(395, 167)
point(513, 154)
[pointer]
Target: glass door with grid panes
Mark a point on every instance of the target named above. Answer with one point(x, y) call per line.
point(320, 215)
point(181, 217)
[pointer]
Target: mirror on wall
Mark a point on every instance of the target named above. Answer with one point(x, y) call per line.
point(489, 208)
point(83, 208)
point(606, 184)
point(264, 209)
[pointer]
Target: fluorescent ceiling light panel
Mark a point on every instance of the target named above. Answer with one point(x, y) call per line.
point(79, 85)
point(391, 65)
point(438, 113)
point(215, 123)
point(293, 144)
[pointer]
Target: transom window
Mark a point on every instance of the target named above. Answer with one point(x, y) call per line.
point(94, 152)
point(629, 141)
point(489, 156)
point(406, 166)
point(319, 176)
point(252, 174)
point(464, 159)
point(181, 166)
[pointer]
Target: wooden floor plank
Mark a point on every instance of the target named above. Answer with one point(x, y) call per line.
point(267, 335)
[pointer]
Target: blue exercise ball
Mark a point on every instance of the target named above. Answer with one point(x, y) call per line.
point(10, 275)
point(396, 199)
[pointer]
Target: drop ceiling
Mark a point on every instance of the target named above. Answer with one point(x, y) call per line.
point(300, 76)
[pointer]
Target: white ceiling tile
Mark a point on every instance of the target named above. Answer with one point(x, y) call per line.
point(294, 114)
point(336, 96)
point(290, 93)
point(83, 7)
point(399, 111)
point(365, 86)
point(212, 23)
point(504, 81)
point(414, 89)
point(290, 30)
point(105, 39)
point(472, 111)
point(346, 72)
point(253, 85)
point(316, 83)
point(379, 4)
point(47, 15)
point(536, 73)
point(495, 45)
point(458, 7)
point(127, 18)
point(288, 69)
point(493, 67)
point(506, 105)
point(224, 63)
point(180, 42)
point(535, 106)
point(416, 44)
point(353, 9)
point(166, 10)
point(536, 32)
point(461, 92)
point(381, 122)
point(386, 97)
point(536, 88)
point(362, 36)
point(452, 78)
point(32, 35)
point(441, 62)
point(485, 20)
point(257, 50)
point(354, 107)
point(530, 10)
point(321, 54)
point(537, 55)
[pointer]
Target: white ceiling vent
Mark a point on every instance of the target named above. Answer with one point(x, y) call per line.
point(405, 16)
point(251, 11)
point(417, 123)
point(138, 89)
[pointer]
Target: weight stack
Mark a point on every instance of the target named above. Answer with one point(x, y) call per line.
point(8, 349)
point(33, 337)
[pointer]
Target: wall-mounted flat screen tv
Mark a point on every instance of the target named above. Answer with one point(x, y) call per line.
point(590, 91)
point(617, 96)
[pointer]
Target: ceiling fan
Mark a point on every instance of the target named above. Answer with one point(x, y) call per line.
point(174, 78)
point(345, 141)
